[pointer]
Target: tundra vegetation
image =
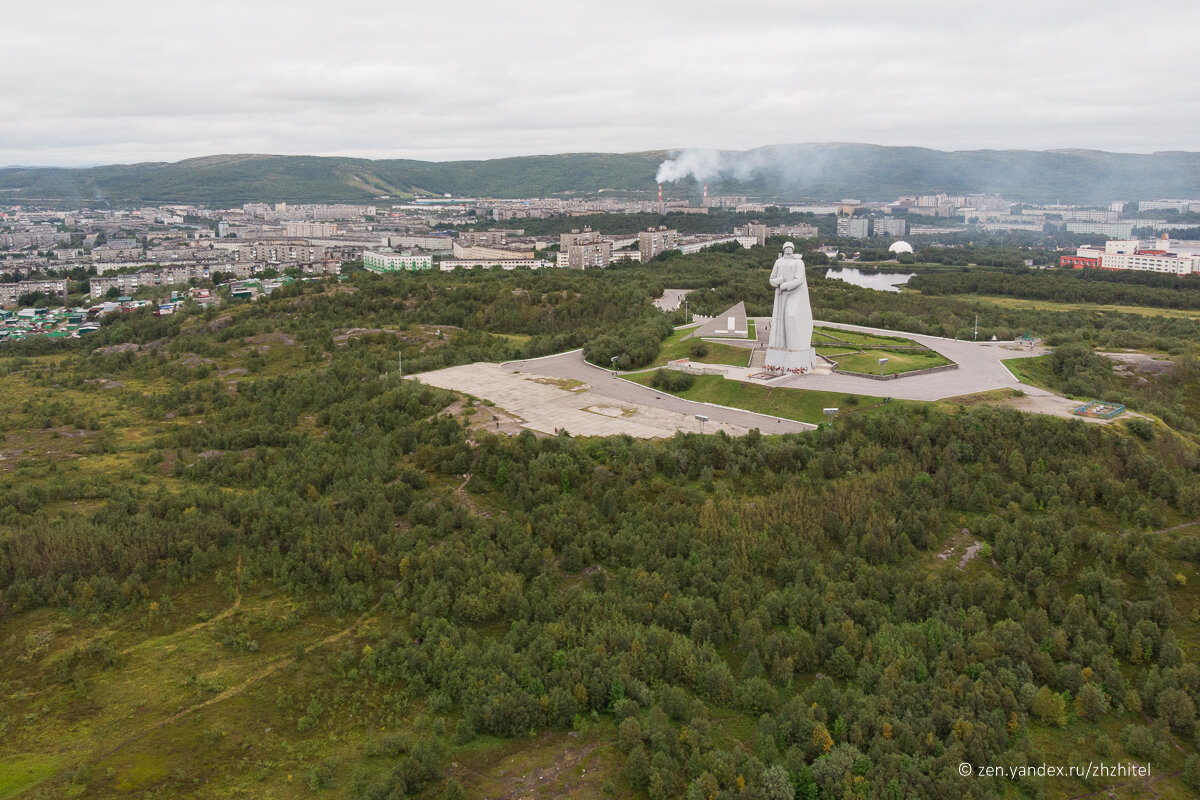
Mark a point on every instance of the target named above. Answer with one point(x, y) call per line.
point(241, 557)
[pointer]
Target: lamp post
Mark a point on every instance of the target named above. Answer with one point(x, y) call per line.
point(701, 419)
point(400, 364)
point(614, 367)
point(882, 362)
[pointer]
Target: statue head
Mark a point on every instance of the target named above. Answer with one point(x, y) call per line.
point(788, 248)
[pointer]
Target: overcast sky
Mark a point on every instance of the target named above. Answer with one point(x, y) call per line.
point(105, 82)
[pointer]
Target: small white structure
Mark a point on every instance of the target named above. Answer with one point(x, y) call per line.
point(900, 247)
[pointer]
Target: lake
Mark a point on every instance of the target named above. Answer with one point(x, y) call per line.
point(882, 281)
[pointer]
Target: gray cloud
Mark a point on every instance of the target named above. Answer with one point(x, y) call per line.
point(94, 82)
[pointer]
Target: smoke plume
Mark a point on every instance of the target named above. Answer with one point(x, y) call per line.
point(712, 165)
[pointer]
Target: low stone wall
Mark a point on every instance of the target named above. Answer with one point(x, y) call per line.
point(695, 369)
point(895, 375)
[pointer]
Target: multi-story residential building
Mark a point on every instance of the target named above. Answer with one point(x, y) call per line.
point(433, 242)
point(308, 230)
point(1118, 230)
point(724, 201)
point(853, 227)
point(274, 251)
point(695, 244)
point(284, 211)
point(589, 255)
point(799, 231)
point(889, 226)
point(653, 241)
point(449, 264)
point(385, 261)
point(497, 251)
point(10, 292)
point(755, 229)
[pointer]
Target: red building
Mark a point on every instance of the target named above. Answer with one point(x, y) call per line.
point(1079, 262)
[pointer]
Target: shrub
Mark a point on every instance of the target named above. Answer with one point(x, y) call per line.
point(671, 380)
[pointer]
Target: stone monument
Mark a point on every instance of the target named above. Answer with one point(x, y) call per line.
point(789, 347)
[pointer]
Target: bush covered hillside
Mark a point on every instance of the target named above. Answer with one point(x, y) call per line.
point(241, 557)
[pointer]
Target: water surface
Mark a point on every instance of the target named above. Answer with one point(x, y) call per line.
point(882, 281)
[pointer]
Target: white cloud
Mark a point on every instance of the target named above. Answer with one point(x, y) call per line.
point(90, 82)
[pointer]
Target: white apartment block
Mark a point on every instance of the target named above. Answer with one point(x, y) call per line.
point(695, 245)
point(308, 230)
point(451, 264)
point(1118, 230)
point(429, 242)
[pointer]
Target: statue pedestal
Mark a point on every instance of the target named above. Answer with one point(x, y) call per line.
point(791, 359)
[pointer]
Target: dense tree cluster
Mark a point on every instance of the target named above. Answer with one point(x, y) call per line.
point(1112, 287)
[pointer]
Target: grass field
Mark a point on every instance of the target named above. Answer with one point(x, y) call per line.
point(835, 335)
point(898, 360)
point(1034, 371)
point(1049, 305)
point(677, 346)
point(797, 404)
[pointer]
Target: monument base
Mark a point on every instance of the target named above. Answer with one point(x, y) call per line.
point(789, 360)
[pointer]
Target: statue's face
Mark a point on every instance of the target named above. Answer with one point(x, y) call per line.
point(789, 248)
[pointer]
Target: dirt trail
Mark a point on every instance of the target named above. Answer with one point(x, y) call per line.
point(226, 614)
point(234, 691)
point(237, 604)
point(231, 692)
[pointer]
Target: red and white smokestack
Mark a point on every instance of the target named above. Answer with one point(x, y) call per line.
point(660, 202)
point(705, 194)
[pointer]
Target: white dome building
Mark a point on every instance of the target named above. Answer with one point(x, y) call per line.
point(900, 247)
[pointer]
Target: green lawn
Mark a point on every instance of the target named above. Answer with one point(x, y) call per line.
point(898, 360)
point(832, 335)
point(676, 346)
point(1034, 371)
point(798, 404)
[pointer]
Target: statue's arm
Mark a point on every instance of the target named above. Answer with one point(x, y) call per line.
point(788, 286)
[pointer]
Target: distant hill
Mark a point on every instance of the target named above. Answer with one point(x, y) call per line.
point(777, 172)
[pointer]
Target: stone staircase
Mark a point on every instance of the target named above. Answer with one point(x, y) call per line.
point(758, 357)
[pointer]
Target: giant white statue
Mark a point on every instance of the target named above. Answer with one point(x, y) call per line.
point(790, 344)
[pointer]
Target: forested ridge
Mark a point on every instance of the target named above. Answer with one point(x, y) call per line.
point(755, 617)
point(1085, 286)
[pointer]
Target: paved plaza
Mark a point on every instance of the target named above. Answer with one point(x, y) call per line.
point(564, 391)
point(589, 402)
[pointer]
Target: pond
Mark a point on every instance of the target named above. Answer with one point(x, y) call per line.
point(882, 281)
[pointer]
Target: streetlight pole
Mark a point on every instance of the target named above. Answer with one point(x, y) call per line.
point(613, 360)
point(400, 364)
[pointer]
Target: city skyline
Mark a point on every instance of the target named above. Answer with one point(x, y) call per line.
point(129, 83)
